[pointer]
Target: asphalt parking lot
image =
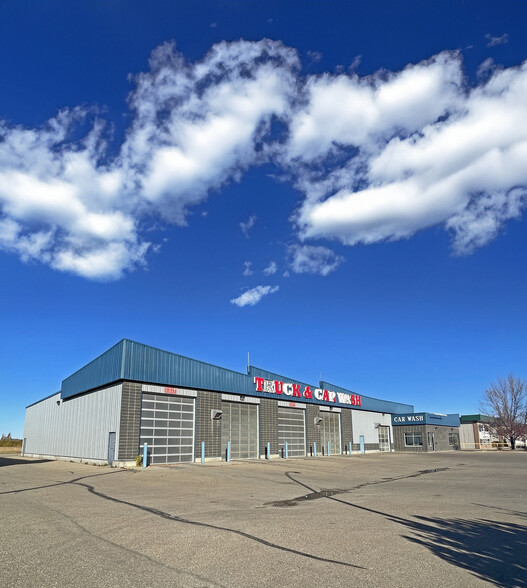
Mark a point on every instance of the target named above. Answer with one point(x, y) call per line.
point(450, 519)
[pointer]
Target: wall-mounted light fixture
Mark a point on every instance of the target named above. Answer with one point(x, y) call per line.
point(215, 415)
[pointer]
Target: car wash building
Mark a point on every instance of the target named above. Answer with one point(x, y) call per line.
point(426, 431)
point(186, 410)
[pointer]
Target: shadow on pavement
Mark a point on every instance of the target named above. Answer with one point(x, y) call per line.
point(493, 551)
point(9, 461)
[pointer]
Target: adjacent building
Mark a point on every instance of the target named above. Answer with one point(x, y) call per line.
point(475, 432)
point(426, 431)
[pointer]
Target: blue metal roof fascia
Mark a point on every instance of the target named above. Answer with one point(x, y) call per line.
point(143, 363)
point(428, 418)
point(369, 403)
point(103, 370)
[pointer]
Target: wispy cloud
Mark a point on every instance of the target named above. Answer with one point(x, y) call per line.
point(494, 41)
point(248, 225)
point(308, 259)
point(247, 271)
point(253, 296)
point(271, 269)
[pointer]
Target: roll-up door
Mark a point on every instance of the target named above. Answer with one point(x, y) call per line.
point(331, 432)
point(167, 425)
point(292, 428)
point(239, 425)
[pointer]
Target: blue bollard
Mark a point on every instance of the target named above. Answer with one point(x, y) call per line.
point(145, 454)
point(228, 451)
point(286, 449)
point(314, 448)
point(203, 452)
point(328, 449)
point(350, 447)
point(268, 451)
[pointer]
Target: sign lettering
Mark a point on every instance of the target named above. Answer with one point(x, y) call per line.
point(290, 389)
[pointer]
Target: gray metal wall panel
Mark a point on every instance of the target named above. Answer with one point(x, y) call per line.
point(364, 424)
point(101, 371)
point(75, 428)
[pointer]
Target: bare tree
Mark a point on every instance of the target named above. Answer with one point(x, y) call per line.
point(506, 403)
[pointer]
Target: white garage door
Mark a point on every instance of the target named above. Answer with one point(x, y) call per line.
point(239, 425)
point(292, 428)
point(167, 425)
point(331, 432)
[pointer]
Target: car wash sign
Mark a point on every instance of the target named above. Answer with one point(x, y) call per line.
point(298, 391)
point(408, 419)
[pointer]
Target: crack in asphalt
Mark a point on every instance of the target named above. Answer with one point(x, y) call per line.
point(315, 495)
point(60, 483)
point(178, 519)
point(130, 551)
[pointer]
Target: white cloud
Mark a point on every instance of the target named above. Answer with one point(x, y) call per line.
point(195, 126)
point(462, 165)
point(253, 296)
point(271, 269)
point(248, 225)
point(247, 271)
point(353, 111)
point(308, 259)
point(377, 157)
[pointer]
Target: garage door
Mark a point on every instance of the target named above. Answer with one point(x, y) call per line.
point(167, 425)
point(292, 428)
point(239, 425)
point(331, 432)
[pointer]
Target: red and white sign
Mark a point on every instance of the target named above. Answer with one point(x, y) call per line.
point(277, 387)
point(170, 390)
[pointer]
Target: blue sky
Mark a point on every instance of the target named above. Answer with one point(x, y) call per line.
point(336, 188)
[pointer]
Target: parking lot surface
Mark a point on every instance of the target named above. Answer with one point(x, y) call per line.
point(446, 519)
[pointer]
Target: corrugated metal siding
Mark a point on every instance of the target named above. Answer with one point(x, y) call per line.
point(363, 423)
point(147, 364)
point(76, 428)
point(103, 370)
point(373, 404)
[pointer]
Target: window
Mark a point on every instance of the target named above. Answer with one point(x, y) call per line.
point(413, 440)
point(453, 440)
